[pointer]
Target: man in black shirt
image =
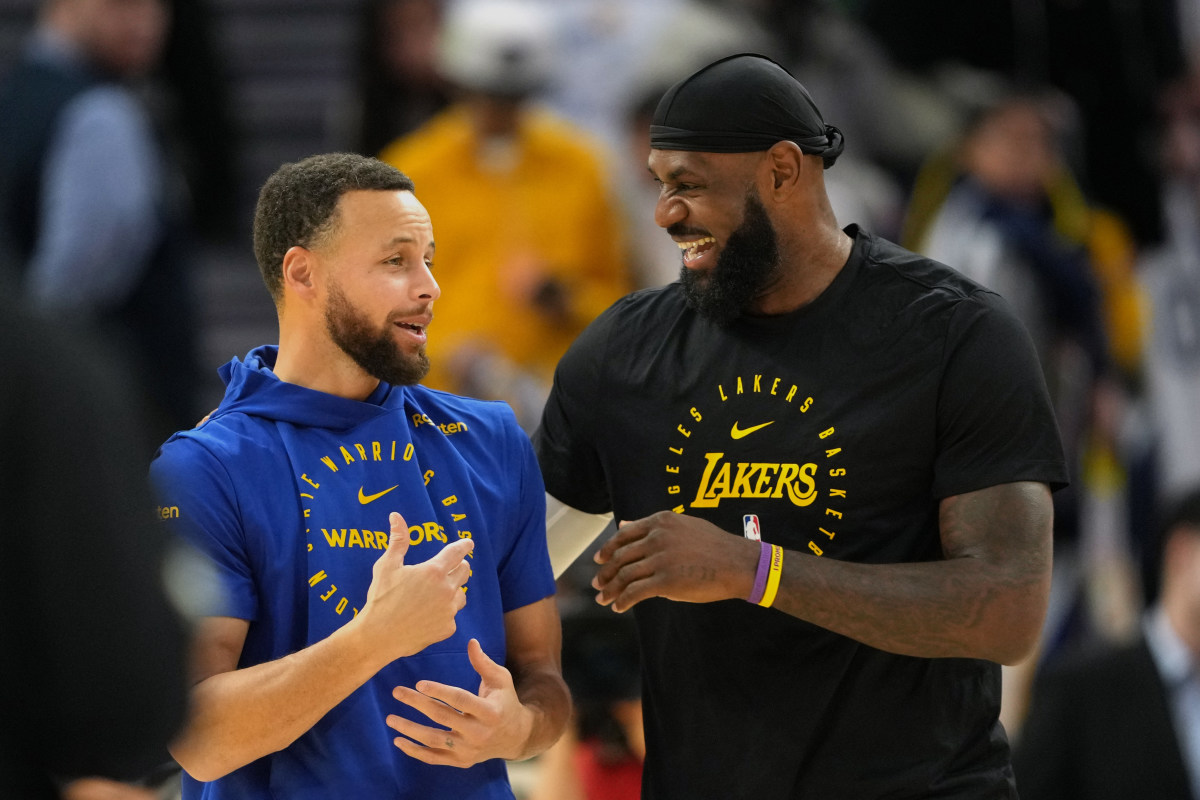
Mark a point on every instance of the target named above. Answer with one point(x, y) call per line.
point(855, 438)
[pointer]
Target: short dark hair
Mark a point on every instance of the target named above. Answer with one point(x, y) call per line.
point(297, 205)
point(1178, 512)
point(1184, 511)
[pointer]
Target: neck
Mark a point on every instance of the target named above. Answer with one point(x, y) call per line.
point(315, 362)
point(811, 258)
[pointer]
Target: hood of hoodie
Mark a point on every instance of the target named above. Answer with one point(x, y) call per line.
point(252, 388)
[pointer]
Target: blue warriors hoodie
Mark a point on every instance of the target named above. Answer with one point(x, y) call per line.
point(288, 491)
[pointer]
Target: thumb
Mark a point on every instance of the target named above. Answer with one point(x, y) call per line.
point(491, 672)
point(452, 554)
point(398, 539)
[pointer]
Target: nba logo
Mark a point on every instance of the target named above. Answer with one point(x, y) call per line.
point(750, 527)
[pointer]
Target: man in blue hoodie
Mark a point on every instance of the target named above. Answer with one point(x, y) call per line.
point(344, 622)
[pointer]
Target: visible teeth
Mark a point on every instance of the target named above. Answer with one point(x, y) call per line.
point(697, 243)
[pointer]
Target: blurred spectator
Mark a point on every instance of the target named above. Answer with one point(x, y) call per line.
point(890, 116)
point(1124, 722)
point(399, 86)
point(1001, 205)
point(530, 243)
point(86, 205)
point(1171, 275)
point(93, 651)
point(1111, 58)
point(614, 50)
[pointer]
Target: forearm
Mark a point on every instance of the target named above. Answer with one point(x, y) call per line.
point(986, 599)
point(239, 716)
point(543, 694)
point(958, 608)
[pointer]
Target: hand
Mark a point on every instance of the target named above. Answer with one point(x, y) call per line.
point(527, 280)
point(673, 556)
point(409, 608)
point(475, 728)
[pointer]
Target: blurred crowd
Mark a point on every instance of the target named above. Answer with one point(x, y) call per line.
point(1049, 150)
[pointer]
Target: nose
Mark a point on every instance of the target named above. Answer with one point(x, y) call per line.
point(426, 286)
point(668, 210)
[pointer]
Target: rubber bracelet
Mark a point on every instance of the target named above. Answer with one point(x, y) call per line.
point(773, 577)
point(760, 577)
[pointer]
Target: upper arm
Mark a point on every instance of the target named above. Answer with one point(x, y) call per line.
point(1008, 529)
point(995, 421)
point(216, 646)
point(199, 502)
point(565, 440)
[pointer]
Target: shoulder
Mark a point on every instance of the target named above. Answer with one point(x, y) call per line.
point(637, 320)
point(896, 283)
point(108, 105)
point(657, 306)
point(487, 420)
point(226, 443)
point(888, 262)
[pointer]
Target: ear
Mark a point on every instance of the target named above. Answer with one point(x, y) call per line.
point(786, 165)
point(299, 269)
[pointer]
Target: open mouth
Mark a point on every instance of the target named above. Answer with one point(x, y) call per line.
point(413, 329)
point(694, 250)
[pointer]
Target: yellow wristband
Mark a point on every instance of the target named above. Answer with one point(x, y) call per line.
point(773, 577)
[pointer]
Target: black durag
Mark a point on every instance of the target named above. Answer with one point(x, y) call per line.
point(742, 104)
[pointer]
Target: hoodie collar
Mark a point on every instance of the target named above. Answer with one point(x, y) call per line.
point(251, 387)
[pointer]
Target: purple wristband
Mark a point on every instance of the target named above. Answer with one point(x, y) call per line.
point(760, 578)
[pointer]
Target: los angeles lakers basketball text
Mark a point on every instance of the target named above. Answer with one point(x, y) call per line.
point(720, 477)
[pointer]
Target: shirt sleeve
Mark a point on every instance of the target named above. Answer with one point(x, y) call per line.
point(99, 214)
point(564, 440)
point(995, 423)
point(524, 571)
point(198, 502)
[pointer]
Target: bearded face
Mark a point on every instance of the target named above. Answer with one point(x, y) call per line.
point(374, 348)
point(746, 265)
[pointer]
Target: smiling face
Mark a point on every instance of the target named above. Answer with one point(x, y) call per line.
point(380, 288)
point(709, 204)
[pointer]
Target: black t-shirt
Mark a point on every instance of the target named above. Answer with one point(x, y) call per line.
point(839, 427)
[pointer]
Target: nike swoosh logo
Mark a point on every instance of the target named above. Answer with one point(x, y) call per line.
point(738, 433)
point(367, 498)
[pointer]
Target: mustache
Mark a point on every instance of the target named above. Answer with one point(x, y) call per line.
point(683, 230)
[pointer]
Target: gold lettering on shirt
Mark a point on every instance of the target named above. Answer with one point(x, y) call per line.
point(723, 480)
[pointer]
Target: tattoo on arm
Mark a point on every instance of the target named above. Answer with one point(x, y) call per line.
point(984, 599)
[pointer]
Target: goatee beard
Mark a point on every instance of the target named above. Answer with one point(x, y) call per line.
point(375, 350)
point(746, 265)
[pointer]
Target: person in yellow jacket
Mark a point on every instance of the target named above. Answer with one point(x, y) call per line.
point(530, 244)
